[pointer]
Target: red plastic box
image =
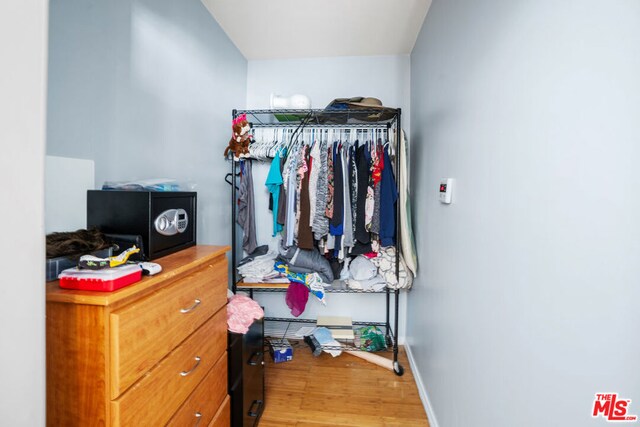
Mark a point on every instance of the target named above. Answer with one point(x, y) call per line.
point(106, 280)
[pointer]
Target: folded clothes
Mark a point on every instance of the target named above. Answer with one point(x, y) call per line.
point(260, 266)
point(277, 278)
point(260, 250)
point(309, 259)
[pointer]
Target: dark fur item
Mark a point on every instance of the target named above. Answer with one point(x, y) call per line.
point(241, 138)
point(74, 244)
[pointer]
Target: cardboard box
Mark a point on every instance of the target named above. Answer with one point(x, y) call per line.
point(281, 350)
point(341, 327)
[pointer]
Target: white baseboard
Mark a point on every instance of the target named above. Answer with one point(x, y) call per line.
point(433, 422)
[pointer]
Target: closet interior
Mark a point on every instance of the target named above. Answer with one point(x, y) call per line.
point(365, 144)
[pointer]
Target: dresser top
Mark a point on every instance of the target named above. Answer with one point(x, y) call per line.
point(173, 265)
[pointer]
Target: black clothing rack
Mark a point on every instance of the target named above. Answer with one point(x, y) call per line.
point(360, 118)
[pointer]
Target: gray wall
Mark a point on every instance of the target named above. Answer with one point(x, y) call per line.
point(23, 43)
point(322, 80)
point(385, 77)
point(145, 88)
point(527, 301)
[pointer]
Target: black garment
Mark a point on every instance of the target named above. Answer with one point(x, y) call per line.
point(338, 191)
point(336, 267)
point(362, 164)
point(305, 235)
point(353, 185)
point(282, 200)
point(361, 249)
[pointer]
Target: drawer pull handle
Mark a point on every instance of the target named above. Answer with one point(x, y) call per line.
point(199, 417)
point(185, 373)
point(193, 307)
point(255, 358)
point(257, 411)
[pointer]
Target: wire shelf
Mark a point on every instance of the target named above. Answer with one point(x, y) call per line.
point(282, 287)
point(354, 118)
point(279, 328)
point(321, 126)
point(388, 119)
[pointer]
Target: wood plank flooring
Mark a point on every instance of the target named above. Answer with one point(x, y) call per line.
point(344, 391)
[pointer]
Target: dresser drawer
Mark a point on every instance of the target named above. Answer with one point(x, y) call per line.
point(154, 399)
point(223, 416)
point(144, 332)
point(204, 402)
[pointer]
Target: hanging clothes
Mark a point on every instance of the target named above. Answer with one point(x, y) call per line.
point(282, 201)
point(274, 183)
point(290, 172)
point(376, 174)
point(336, 223)
point(246, 207)
point(389, 195)
point(347, 228)
point(314, 175)
point(320, 222)
point(296, 298)
point(315, 167)
point(353, 187)
point(406, 229)
point(305, 235)
point(330, 183)
point(369, 202)
point(362, 166)
point(302, 169)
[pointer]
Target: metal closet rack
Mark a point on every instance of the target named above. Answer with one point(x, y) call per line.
point(388, 119)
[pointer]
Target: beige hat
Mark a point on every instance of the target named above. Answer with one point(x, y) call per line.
point(367, 102)
point(356, 101)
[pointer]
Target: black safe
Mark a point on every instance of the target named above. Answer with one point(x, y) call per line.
point(166, 221)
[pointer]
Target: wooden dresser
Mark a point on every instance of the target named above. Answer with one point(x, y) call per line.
point(150, 354)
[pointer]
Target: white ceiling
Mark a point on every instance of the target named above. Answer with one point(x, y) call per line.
point(276, 29)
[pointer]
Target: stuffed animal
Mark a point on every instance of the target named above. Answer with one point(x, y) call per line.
point(241, 138)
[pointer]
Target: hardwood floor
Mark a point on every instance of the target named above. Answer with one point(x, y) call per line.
point(344, 391)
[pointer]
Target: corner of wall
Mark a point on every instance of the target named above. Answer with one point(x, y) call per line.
point(424, 397)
